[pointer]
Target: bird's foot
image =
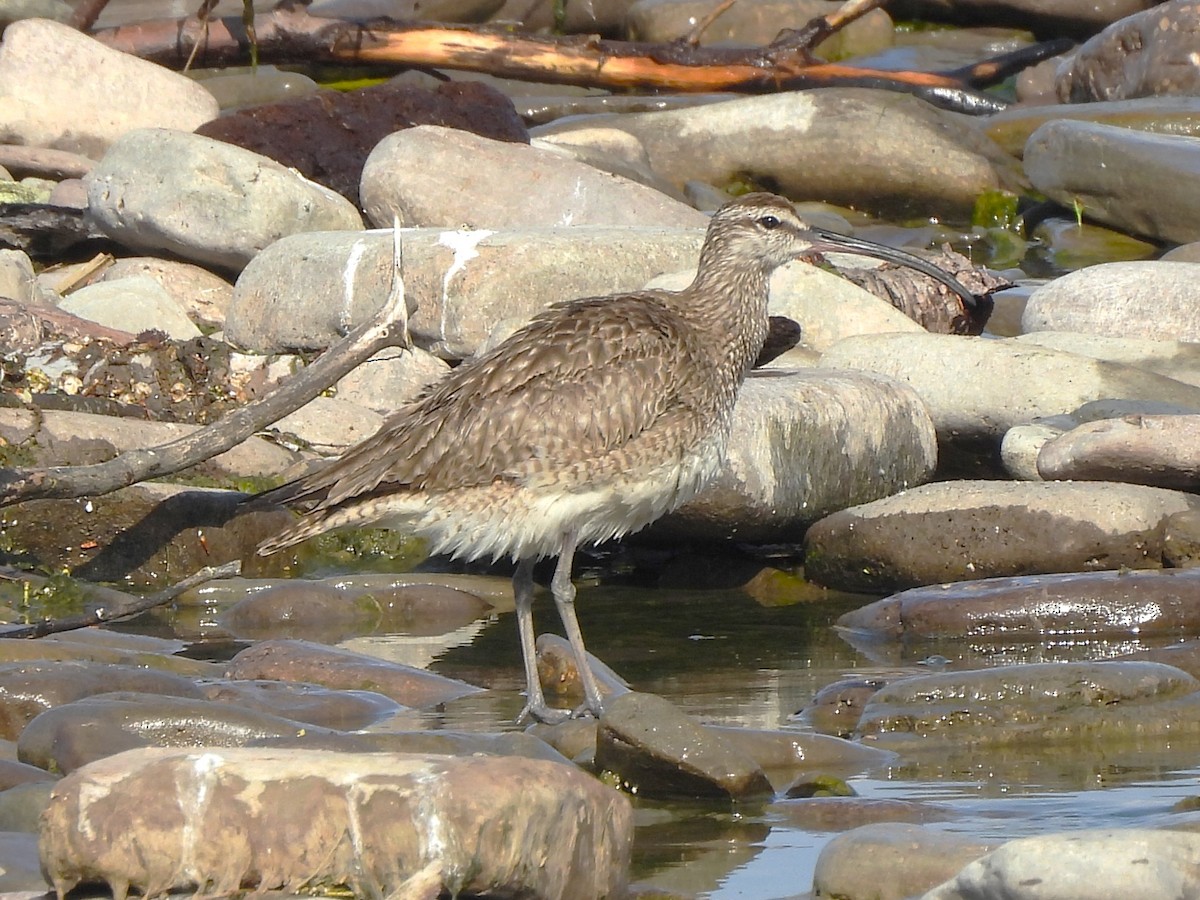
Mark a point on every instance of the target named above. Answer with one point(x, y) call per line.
point(554, 715)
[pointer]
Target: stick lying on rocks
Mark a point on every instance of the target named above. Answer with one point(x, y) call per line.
point(388, 328)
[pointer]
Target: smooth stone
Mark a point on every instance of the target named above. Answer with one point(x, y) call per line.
point(1133, 604)
point(1134, 864)
point(966, 530)
point(1189, 252)
point(1144, 54)
point(787, 755)
point(1181, 539)
point(75, 437)
point(1161, 115)
point(20, 866)
point(1184, 655)
point(17, 280)
point(135, 304)
point(64, 738)
point(871, 150)
point(150, 533)
point(203, 295)
point(391, 378)
point(495, 590)
point(16, 10)
point(1163, 451)
point(13, 773)
point(1153, 300)
point(805, 444)
point(1034, 704)
point(300, 702)
point(1068, 244)
point(756, 23)
point(27, 689)
point(1179, 360)
point(308, 290)
point(50, 650)
point(959, 379)
point(21, 807)
point(1021, 445)
point(157, 190)
point(891, 861)
point(1134, 181)
point(298, 609)
point(449, 743)
point(328, 425)
point(284, 660)
point(383, 824)
point(657, 751)
point(558, 671)
point(244, 86)
point(835, 708)
point(610, 150)
point(1077, 18)
point(845, 813)
point(484, 183)
point(108, 92)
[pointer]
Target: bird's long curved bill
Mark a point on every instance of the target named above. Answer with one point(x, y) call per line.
point(832, 242)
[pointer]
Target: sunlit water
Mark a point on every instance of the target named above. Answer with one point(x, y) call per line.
point(724, 658)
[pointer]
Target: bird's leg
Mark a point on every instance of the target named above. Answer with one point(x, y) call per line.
point(535, 699)
point(564, 599)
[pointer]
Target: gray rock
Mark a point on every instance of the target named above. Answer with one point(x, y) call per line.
point(1134, 864)
point(237, 87)
point(962, 530)
point(1033, 704)
point(449, 743)
point(1153, 300)
point(300, 702)
point(203, 295)
point(1073, 17)
point(21, 807)
point(17, 281)
point(609, 150)
point(1174, 359)
point(891, 861)
point(383, 824)
point(1128, 604)
point(657, 751)
point(108, 92)
point(980, 388)
point(756, 23)
point(483, 183)
point(328, 425)
point(391, 378)
point(1144, 54)
point(205, 200)
point(1012, 128)
point(134, 304)
point(461, 283)
point(16, 10)
point(867, 149)
point(1163, 451)
point(1132, 180)
point(1021, 445)
point(804, 444)
point(20, 866)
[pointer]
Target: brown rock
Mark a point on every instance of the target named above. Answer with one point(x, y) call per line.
point(1163, 451)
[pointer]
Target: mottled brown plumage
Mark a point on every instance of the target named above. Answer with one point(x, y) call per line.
point(594, 420)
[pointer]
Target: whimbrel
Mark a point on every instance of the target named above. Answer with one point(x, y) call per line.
point(597, 418)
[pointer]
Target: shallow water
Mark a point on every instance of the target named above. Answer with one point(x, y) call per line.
point(725, 658)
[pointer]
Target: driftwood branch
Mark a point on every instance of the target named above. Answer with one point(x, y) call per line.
point(117, 605)
point(288, 34)
point(388, 328)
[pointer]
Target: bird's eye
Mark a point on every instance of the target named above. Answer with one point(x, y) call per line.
point(769, 222)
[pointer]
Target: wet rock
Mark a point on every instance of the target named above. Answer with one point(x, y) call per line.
point(844, 813)
point(491, 184)
point(1068, 244)
point(299, 702)
point(787, 754)
point(448, 743)
point(1127, 603)
point(459, 284)
point(146, 534)
point(19, 650)
point(13, 773)
point(1181, 539)
point(406, 10)
point(1076, 18)
point(133, 304)
point(836, 707)
point(299, 609)
point(1129, 299)
point(21, 807)
point(1163, 451)
point(66, 737)
point(1131, 180)
point(1142, 55)
point(1012, 128)
point(203, 295)
point(328, 136)
point(1174, 359)
point(963, 530)
point(891, 861)
point(109, 92)
point(20, 867)
point(656, 751)
point(282, 660)
point(1138, 864)
point(575, 739)
point(558, 672)
point(805, 444)
point(27, 689)
point(379, 823)
point(209, 202)
point(957, 379)
point(854, 147)
point(755, 24)
point(1034, 704)
point(240, 86)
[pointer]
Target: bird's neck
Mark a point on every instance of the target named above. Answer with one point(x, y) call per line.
point(728, 302)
